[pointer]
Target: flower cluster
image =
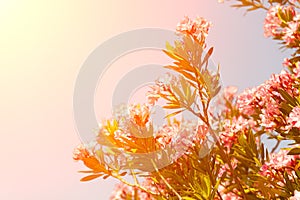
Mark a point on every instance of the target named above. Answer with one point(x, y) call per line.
point(279, 163)
point(80, 153)
point(124, 192)
point(233, 128)
point(263, 102)
point(293, 120)
point(161, 88)
point(293, 67)
point(282, 22)
point(198, 28)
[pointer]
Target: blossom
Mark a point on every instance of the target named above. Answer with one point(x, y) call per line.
point(197, 28)
point(294, 118)
point(228, 195)
point(272, 22)
point(287, 63)
point(201, 130)
point(291, 32)
point(124, 192)
point(165, 135)
point(232, 129)
point(226, 168)
point(80, 153)
point(162, 87)
point(264, 100)
point(229, 92)
point(279, 162)
point(285, 29)
point(296, 70)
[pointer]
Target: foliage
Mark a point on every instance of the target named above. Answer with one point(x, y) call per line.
point(221, 155)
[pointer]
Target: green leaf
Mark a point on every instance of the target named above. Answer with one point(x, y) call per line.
point(291, 100)
point(294, 151)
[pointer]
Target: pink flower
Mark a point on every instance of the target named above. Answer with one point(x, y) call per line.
point(80, 153)
point(124, 192)
point(197, 28)
point(264, 101)
point(226, 168)
point(279, 162)
point(296, 70)
point(229, 195)
point(233, 128)
point(277, 28)
point(162, 87)
point(272, 22)
point(165, 135)
point(291, 32)
point(287, 63)
point(294, 118)
point(229, 92)
point(247, 101)
point(202, 130)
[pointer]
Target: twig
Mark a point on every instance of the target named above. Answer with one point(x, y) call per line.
point(165, 181)
point(224, 154)
point(134, 185)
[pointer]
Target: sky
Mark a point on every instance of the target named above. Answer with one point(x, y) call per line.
point(43, 45)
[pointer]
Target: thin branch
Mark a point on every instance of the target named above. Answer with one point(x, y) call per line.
point(134, 185)
point(165, 181)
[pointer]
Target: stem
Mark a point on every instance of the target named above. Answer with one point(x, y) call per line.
point(276, 146)
point(165, 181)
point(224, 155)
point(134, 177)
point(219, 195)
point(263, 7)
point(196, 114)
point(134, 185)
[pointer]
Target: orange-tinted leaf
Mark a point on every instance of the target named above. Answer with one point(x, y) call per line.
point(172, 106)
point(173, 114)
point(89, 171)
point(90, 177)
point(94, 164)
point(106, 176)
point(172, 55)
point(210, 51)
point(123, 174)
